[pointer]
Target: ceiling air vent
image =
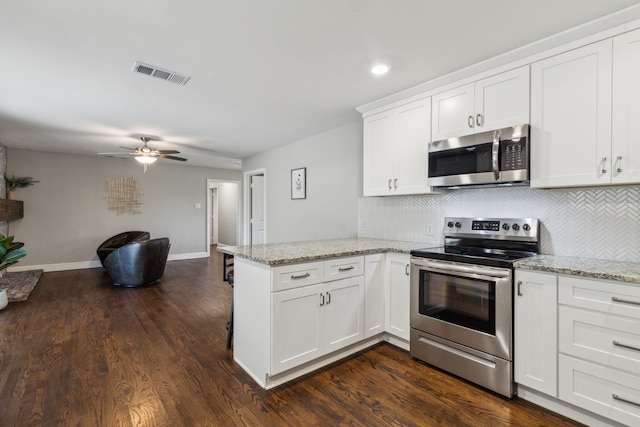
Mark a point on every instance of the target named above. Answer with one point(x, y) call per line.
point(153, 71)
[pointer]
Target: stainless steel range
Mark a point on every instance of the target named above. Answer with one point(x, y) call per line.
point(462, 298)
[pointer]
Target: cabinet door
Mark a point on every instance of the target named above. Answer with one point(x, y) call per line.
point(342, 315)
point(397, 304)
point(295, 328)
point(413, 133)
point(502, 100)
point(625, 150)
point(373, 295)
point(453, 113)
point(535, 331)
point(571, 118)
point(378, 152)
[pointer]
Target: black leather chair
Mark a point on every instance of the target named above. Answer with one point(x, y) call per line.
point(138, 263)
point(113, 243)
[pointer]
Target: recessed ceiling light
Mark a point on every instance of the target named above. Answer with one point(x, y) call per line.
point(380, 69)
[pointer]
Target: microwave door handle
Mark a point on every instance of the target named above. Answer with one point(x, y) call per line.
point(495, 150)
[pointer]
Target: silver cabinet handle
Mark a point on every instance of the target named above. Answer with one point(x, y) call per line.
point(395, 183)
point(604, 164)
point(328, 298)
point(406, 269)
point(389, 184)
point(321, 300)
point(621, 399)
point(342, 269)
point(618, 161)
point(625, 301)
point(470, 121)
point(495, 152)
point(479, 120)
point(519, 288)
point(300, 276)
point(619, 344)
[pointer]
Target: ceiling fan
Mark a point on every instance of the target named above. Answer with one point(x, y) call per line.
point(147, 155)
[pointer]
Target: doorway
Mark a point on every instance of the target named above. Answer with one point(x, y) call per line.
point(223, 213)
point(255, 208)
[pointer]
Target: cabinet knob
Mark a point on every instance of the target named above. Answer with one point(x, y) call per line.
point(479, 120)
point(604, 164)
point(618, 161)
point(470, 121)
point(390, 184)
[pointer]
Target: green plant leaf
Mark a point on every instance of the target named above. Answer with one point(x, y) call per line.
point(14, 256)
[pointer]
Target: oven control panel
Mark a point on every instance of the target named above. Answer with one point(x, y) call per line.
point(512, 228)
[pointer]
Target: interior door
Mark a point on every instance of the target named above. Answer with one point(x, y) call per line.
point(257, 209)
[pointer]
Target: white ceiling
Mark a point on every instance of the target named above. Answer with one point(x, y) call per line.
point(264, 73)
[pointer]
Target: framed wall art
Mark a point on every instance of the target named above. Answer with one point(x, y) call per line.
point(299, 183)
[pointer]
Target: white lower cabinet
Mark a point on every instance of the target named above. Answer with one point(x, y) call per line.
point(374, 295)
point(535, 331)
point(397, 295)
point(599, 335)
point(611, 393)
point(312, 321)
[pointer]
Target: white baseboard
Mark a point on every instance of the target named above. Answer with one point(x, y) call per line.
point(94, 264)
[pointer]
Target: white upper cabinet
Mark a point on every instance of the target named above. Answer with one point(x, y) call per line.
point(395, 150)
point(571, 118)
point(625, 151)
point(491, 103)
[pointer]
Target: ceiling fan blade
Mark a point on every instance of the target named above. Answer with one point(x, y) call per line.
point(168, 151)
point(130, 149)
point(164, 156)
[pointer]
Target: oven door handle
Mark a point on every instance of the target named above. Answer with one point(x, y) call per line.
point(474, 270)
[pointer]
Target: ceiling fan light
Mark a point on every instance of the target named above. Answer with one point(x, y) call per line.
point(145, 159)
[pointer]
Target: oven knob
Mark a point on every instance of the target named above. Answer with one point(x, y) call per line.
point(515, 227)
point(458, 224)
point(450, 224)
point(505, 226)
point(526, 227)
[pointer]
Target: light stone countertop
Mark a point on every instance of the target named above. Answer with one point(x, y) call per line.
point(295, 252)
point(586, 267)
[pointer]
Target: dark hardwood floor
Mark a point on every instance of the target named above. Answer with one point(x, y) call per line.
point(81, 352)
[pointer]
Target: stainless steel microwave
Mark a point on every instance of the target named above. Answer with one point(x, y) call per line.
point(498, 157)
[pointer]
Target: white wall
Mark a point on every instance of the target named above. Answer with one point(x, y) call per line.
point(334, 175)
point(66, 214)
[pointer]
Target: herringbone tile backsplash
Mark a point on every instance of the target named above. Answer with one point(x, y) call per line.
point(586, 222)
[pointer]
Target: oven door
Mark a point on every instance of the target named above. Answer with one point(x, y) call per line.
point(465, 303)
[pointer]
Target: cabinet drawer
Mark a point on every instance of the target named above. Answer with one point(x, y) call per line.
point(593, 387)
point(605, 296)
point(610, 340)
point(296, 275)
point(342, 268)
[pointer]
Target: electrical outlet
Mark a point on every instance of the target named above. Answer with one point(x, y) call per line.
point(429, 230)
point(363, 226)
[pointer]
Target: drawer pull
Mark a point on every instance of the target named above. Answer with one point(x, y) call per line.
point(626, 301)
point(300, 276)
point(625, 345)
point(343, 269)
point(622, 399)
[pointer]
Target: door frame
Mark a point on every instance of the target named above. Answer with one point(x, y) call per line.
point(211, 183)
point(247, 204)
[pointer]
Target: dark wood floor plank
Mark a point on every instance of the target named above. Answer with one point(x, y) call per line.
point(82, 352)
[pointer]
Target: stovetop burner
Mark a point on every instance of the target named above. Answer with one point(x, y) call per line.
point(496, 242)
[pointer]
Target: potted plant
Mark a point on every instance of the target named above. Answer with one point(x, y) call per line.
point(17, 182)
point(10, 252)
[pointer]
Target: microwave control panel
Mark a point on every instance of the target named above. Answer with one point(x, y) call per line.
point(513, 154)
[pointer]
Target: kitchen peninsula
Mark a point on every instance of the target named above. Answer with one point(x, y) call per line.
point(299, 306)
